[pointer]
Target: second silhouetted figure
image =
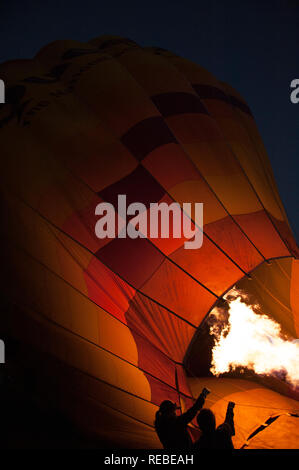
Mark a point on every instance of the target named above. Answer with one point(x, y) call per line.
point(212, 437)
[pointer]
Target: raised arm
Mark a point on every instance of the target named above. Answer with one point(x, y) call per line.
point(190, 414)
point(229, 418)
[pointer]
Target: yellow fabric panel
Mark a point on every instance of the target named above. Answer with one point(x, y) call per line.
point(241, 146)
point(252, 129)
point(152, 73)
point(42, 182)
point(247, 122)
point(110, 369)
point(30, 232)
point(35, 177)
point(73, 382)
point(254, 404)
point(59, 302)
point(114, 95)
point(82, 355)
point(194, 72)
point(116, 429)
point(108, 395)
point(209, 158)
point(281, 434)
point(76, 138)
point(197, 191)
point(270, 287)
point(116, 337)
point(183, 128)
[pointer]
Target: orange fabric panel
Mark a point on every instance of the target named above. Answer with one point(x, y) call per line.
point(217, 277)
point(171, 287)
point(254, 405)
point(281, 434)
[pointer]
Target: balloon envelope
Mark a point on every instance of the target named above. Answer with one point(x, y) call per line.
point(111, 321)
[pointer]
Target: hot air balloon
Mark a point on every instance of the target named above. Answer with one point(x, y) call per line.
point(115, 326)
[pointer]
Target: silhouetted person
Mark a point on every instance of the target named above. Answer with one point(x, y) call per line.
point(172, 428)
point(212, 438)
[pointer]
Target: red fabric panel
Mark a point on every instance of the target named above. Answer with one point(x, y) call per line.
point(182, 381)
point(261, 231)
point(154, 362)
point(107, 290)
point(81, 226)
point(165, 331)
point(134, 260)
point(229, 237)
point(138, 186)
point(286, 235)
point(161, 392)
point(170, 166)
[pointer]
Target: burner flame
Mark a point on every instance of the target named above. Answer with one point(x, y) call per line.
point(246, 338)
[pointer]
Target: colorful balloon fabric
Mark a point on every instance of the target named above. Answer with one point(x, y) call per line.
point(110, 321)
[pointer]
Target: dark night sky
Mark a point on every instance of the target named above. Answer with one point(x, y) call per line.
point(252, 45)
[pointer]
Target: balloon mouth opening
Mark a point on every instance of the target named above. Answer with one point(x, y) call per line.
point(237, 340)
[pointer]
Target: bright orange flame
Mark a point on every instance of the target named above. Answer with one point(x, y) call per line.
point(252, 340)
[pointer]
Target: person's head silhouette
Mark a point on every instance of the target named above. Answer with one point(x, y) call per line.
point(167, 408)
point(206, 420)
